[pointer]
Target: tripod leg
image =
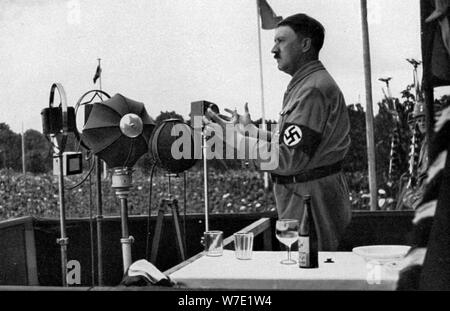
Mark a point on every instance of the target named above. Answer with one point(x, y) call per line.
point(174, 207)
point(157, 236)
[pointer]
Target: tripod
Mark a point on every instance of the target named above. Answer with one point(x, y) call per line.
point(172, 204)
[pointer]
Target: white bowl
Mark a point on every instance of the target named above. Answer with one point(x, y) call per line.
point(382, 253)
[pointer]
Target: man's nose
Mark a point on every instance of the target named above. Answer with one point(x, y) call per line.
point(274, 49)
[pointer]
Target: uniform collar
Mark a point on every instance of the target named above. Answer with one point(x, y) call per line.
point(305, 71)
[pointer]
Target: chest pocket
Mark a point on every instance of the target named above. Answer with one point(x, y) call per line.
point(284, 114)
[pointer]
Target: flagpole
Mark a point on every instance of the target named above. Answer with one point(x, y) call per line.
point(263, 117)
point(100, 77)
point(100, 94)
point(369, 109)
point(105, 169)
point(24, 168)
point(99, 218)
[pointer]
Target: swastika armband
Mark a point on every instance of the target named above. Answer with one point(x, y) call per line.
point(292, 135)
point(299, 136)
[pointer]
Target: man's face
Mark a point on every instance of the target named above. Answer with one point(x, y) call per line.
point(289, 49)
point(422, 125)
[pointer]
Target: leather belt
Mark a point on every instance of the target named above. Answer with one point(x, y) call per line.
point(312, 174)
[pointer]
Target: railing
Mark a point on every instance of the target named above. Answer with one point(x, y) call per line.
point(30, 256)
point(261, 226)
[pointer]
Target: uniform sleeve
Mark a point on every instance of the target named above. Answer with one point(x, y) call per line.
point(304, 121)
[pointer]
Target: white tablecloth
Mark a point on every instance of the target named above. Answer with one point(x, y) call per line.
point(264, 271)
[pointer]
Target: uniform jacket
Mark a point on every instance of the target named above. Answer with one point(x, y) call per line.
point(313, 132)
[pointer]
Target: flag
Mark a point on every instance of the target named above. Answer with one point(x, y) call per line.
point(98, 73)
point(269, 19)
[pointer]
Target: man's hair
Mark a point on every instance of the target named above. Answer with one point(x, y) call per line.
point(306, 26)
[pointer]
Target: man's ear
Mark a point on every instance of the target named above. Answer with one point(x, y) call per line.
point(306, 44)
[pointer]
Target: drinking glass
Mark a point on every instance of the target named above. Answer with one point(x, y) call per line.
point(287, 233)
point(213, 241)
point(243, 245)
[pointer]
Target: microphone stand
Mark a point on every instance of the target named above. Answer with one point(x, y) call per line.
point(63, 241)
point(99, 220)
point(58, 150)
point(121, 182)
point(205, 181)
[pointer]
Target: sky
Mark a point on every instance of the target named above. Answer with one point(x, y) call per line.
point(169, 53)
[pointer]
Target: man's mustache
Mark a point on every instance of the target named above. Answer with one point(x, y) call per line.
point(276, 55)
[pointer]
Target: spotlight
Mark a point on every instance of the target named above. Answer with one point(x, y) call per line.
point(161, 145)
point(118, 131)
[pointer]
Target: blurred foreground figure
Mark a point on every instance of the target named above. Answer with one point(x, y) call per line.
point(427, 265)
point(312, 138)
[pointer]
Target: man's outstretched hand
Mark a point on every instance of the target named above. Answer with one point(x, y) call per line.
point(241, 124)
point(242, 120)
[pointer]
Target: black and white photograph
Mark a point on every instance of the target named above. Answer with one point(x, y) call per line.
point(224, 153)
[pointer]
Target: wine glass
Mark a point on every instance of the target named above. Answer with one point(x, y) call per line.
point(287, 233)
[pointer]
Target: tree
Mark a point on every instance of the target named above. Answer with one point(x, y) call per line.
point(38, 152)
point(36, 163)
point(167, 115)
point(356, 159)
point(10, 147)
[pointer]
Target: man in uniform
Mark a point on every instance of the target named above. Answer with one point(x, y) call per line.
point(313, 133)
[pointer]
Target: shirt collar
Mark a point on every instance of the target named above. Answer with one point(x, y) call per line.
point(305, 71)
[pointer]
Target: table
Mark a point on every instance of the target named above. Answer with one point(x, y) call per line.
point(264, 272)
